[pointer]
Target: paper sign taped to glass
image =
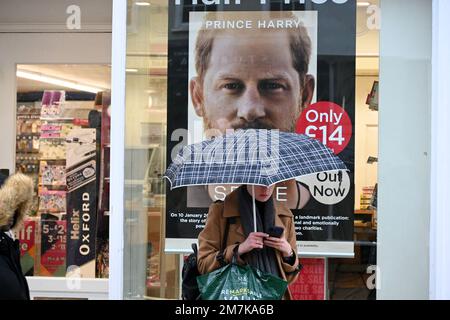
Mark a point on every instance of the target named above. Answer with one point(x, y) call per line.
point(291, 70)
point(53, 246)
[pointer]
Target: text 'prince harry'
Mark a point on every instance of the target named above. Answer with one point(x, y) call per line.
point(249, 24)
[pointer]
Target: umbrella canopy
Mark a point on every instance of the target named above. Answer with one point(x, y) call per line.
point(253, 156)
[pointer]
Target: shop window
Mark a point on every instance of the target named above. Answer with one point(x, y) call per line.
point(63, 143)
point(344, 64)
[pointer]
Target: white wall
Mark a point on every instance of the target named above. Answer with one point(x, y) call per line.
point(51, 15)
point(16, 48)
point(404, 149)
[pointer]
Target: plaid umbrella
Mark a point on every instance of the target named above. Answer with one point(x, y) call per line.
point(253, 156)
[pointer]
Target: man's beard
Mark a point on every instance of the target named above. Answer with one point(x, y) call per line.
point(255, 124)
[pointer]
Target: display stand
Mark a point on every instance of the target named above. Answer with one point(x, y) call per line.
point(52, 191)
point(50, 288)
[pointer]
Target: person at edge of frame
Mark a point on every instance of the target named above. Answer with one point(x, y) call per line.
point(275, 255)
point(16, 197)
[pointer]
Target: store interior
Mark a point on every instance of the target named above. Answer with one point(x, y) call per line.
point(63, 111)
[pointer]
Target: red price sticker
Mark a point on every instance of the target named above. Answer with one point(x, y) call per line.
point(328, 123)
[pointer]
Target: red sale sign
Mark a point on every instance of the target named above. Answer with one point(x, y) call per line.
point(27, 238)
point(53, 247)
point(310, 284)
point(328, 123)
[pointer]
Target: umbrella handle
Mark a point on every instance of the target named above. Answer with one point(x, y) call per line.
point(254, 208)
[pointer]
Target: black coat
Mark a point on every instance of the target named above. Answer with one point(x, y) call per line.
point(13, 284)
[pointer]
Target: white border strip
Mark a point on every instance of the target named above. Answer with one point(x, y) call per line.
point(306, 249)
point(116, 222)
point(440, 154)
point(67, 288)
point(53, 28)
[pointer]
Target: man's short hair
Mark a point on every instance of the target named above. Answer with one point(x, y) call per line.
point(300, 42)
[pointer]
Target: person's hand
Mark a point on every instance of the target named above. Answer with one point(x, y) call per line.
point(255, 240)
point(280, 244)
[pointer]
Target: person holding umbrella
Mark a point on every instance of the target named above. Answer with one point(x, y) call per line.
point(250, 227)
point(275, 255)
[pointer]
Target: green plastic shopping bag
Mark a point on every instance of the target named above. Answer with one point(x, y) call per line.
point(235, 282)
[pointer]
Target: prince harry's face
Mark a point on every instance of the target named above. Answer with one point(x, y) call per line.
point(250, 82)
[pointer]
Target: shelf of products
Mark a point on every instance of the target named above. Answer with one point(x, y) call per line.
point(28, 125)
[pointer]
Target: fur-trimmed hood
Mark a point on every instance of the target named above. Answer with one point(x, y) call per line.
point(16, 195)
